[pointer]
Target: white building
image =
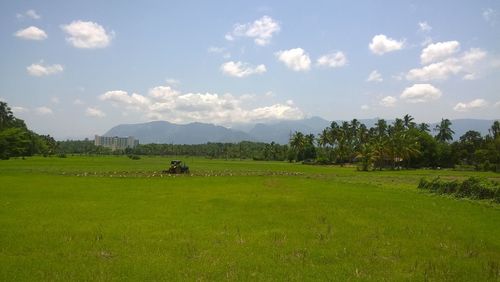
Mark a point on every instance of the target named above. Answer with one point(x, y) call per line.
point(115, 142)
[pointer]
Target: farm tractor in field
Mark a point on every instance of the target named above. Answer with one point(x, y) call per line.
point(177, 167)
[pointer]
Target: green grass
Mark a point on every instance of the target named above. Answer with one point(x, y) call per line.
point(112, 218)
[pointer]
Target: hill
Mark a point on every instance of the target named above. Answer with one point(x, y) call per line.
point(166, 132)
point(279, 132)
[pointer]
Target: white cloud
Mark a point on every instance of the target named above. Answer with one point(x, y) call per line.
point(54, 100)
point(490, 16)
point(424, 27)
point(333, 60)
point(44, 110)
point(43, 70)
point(497, 104)
point(420, 93)
point(31, 33)
point(365, 107)
point(382, 44)
point(87, 35)
point(163, 102)
point(451, 66)
point(32, 14)
point(261, 30)
point(172, 81)
point(439, 51)
point(374, 76)
point(240, 69)
point(19, 109)
point(94, 112)
point(474, 104)
point(388, 101)
point(296, 59)
point(470, 76)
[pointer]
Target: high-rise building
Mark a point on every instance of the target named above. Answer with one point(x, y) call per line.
point(115, 142)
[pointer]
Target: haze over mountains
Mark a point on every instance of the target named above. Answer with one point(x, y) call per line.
point(279, 132)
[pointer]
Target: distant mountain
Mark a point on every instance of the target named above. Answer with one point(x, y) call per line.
point(166, 132)
point(279, 132)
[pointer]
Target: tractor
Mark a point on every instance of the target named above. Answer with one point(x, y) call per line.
point(177, 167)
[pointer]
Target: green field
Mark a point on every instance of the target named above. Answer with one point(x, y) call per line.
point(112, 218)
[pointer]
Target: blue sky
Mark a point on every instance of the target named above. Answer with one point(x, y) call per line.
point(74, 69)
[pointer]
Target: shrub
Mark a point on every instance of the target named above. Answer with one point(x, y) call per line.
point(134, 157)
point(473, 188)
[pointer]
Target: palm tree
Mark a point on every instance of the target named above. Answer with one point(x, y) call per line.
point(324, 137)
point(297, 143)
point(408, 121)
point(424, 127)
point(445, 133)
point(381, 128)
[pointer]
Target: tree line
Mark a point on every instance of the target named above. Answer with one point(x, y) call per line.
point(402, 144)
point(17, 140)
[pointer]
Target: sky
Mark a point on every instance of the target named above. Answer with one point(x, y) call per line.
point(73, 69)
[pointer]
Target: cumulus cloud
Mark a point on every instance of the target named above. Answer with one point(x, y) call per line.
point(44, 111)
point(464, 63)
point(31, 33)
point(420, 93)
point(439, 51)
point(388, 101)
point(94, 112)
point(382, 44)
point(240, 69)
point(424, 27)
point(365, 107)
point(472, 105)
point(87, 35)
point(296, 59)
point(261, 30)
point(374, 76)
point(333, 60)
point(44, 70)
point(164, 102)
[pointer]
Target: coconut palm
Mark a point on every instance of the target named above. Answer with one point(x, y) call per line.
point(445, 133)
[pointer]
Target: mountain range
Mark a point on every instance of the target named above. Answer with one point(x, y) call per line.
point(279, 132)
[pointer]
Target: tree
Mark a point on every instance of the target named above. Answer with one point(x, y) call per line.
point(424, 127)
point(495, 129)
point(408, 121)
point(297, 143)
point(444, 131)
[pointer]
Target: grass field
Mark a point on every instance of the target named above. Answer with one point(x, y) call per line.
point(112, 218)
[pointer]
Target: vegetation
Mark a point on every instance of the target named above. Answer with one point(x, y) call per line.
point(16, 140)
point(473, 188)
point(112, 218)
point(402, 144)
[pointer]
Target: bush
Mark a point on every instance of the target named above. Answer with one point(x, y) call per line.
point(473, 188)
point(134, 157)
point(62, 155)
